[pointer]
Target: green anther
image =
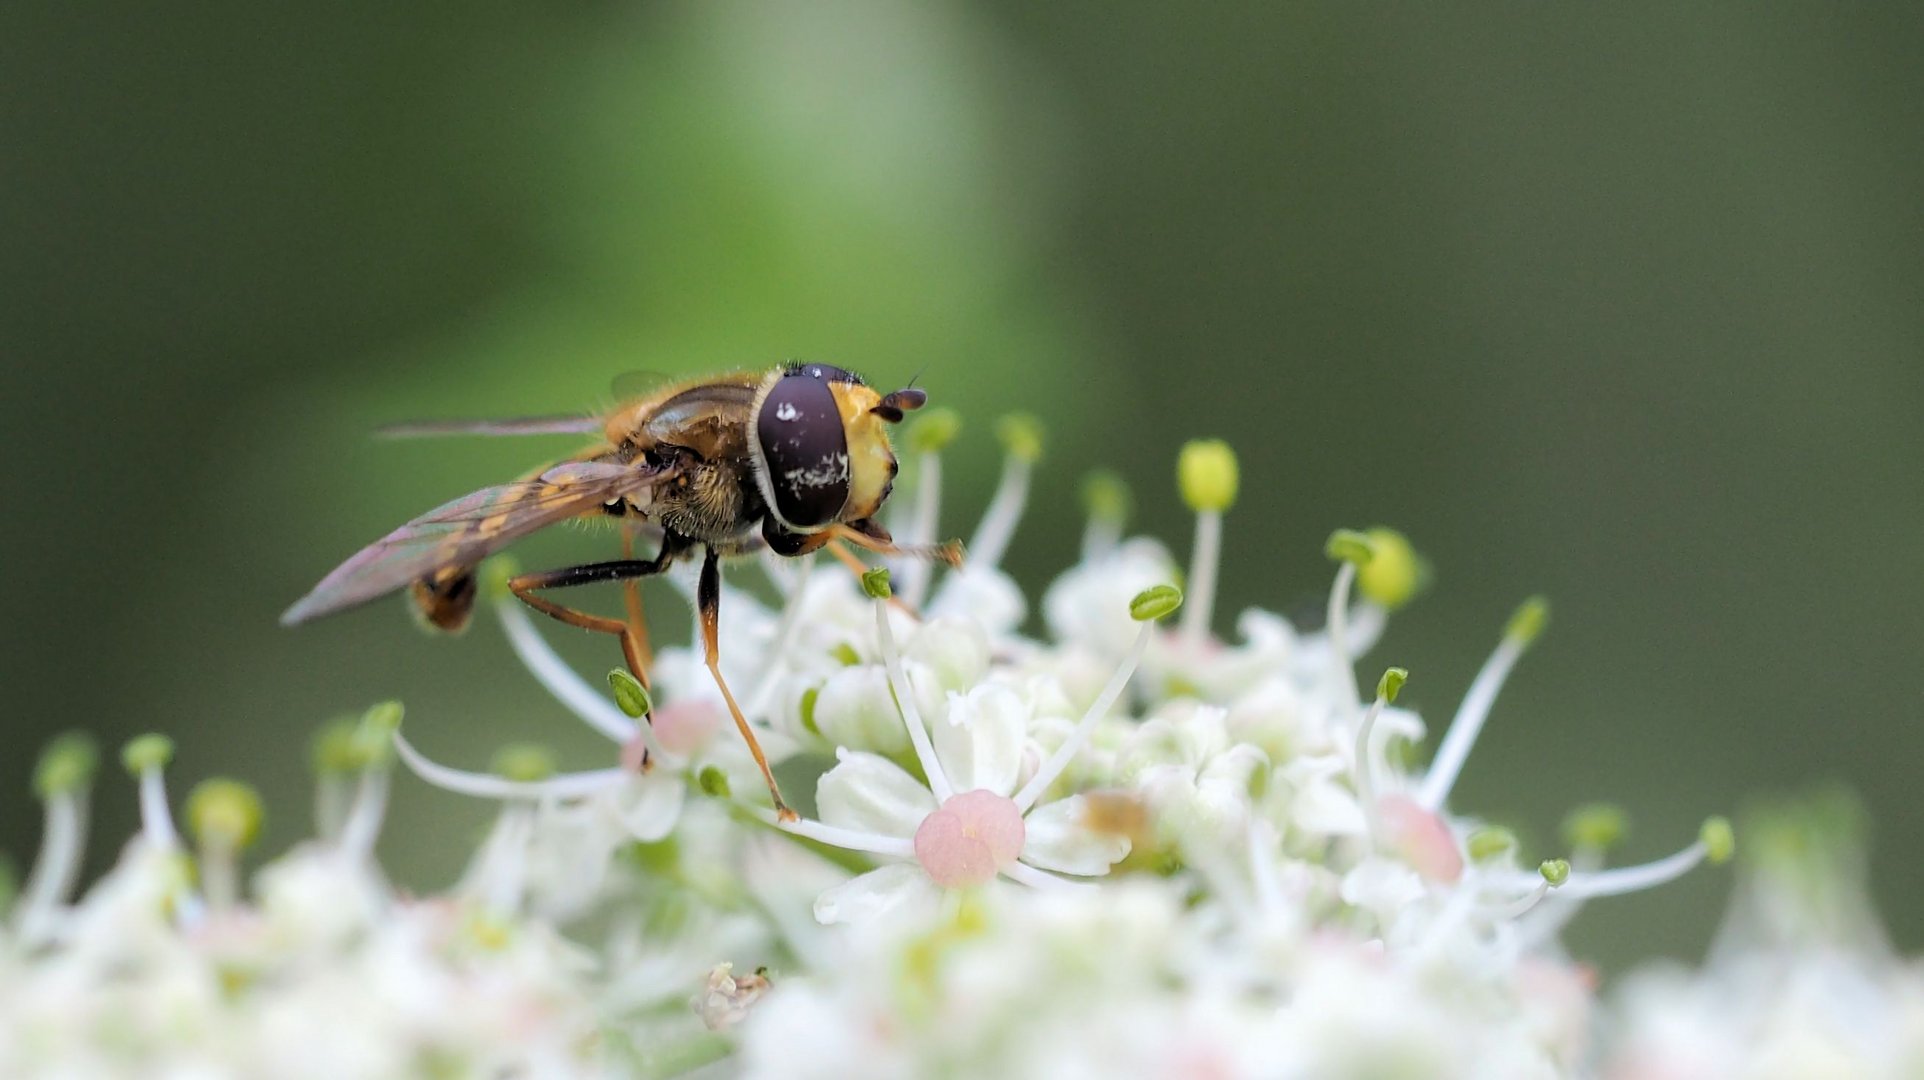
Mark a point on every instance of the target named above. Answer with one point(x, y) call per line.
point(66, 765)
point(224, 812)
point(1350, 546)
point(1395, 573)
point(1595, 826)
point(809, 697)
point(526, 763)
point(1718, 839)
point(1021, 436)
point(934, 430)
point(1392, 683)
point(845, 653)
point(1106, 496)
point(713, 781)
point(1206, 475)
point(1527, 624)
point(875, 583)
point(1555, 871)
point(1491, 842)
point(630, 696)
point(337, 747)
point(144, 752)
point(1155, 602)
point(495, 575)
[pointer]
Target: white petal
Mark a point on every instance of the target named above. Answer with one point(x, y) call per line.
point(648, 806)
point(955, 649)
point(872, 794)
point(980, 742)
point(902, 887)
point(1058, 840)
point(856, 709)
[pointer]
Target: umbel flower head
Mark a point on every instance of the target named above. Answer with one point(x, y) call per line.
point(1128, 846)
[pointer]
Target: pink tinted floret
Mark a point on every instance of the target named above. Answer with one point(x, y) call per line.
point(686, 727)
point(972, 837)
point(1421, 837)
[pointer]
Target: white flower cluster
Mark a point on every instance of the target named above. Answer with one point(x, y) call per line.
point(1116, 851)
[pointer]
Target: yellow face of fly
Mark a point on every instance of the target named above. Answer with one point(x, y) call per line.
point(871, 461)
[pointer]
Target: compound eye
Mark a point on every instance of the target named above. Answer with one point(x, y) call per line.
point(804, 447)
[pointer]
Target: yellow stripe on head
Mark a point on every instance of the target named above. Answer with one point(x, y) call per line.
point(871, 460)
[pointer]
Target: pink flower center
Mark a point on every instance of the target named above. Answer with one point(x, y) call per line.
point(1422, 838)
point(972, 837)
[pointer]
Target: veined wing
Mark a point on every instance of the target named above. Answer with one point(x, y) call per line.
point(469, 529)
point(527, 425)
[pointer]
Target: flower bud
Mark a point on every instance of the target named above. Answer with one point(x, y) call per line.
point(1527, 624)
point(1206, 475)
point(1106, 497)
point(934, 430)
point(1718, 839)
point(225, 813)
point(1395, 573)
point(1021, 436)
point(66, 765)
point(144, 752)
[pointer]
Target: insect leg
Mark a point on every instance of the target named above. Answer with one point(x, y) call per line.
point(708, 607)
point(949, 552)
point(857, 567)
point(631, 601)
point(633, 649)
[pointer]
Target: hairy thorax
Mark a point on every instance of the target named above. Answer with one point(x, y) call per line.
point(709, 503)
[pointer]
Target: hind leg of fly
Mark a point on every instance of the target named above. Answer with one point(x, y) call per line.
point(634, 640)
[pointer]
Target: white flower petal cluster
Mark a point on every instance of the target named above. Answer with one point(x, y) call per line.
point(1118, 849)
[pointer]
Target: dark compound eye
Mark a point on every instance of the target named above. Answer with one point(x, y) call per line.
point(804, 446)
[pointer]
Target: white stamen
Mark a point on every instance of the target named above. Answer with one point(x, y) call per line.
point(905, 700)
point(851, 839)
point(915, 574)
point(1262, 868)
point(62, 843)
point(1336, 625)
point(1364, 772)
point(156, 821)
point(499, 872)
point(220, 874)
point(1201, 591)
point(1523, 903)
point(1629, 879)
point(1023, 873)
point(1100, 536)
point(1467, 724)
point(489, 786)
point(564, 683)
point(331, 798)
point(777, 654)
point(1058, 761)
point(991, 540)
point(363, 824)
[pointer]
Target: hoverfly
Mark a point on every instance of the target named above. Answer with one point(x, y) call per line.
point(792, 459)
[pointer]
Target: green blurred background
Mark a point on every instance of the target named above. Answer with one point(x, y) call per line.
point(1618, 306)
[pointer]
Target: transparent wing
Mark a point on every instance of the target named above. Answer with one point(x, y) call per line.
point(527, 425)
point(469, 529)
